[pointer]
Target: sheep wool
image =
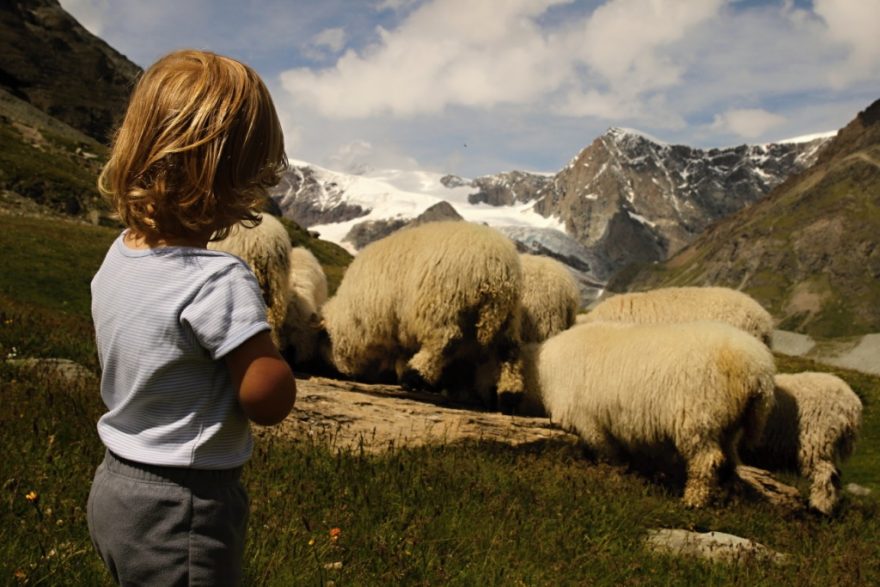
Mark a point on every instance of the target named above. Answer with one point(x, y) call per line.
point(550, 298)
point(308, 292)
point(704, 387)
point(685, 304)
point(811, 431)
point(266, 250)
point(425, 296)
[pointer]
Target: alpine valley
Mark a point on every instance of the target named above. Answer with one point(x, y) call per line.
point(625, 199)
point(793, 223)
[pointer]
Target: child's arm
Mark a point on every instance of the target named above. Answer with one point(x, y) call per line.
point(266, 387)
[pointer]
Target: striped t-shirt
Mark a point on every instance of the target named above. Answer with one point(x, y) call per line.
point(164, 319)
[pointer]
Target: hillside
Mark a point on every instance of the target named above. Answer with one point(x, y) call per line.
point(624, 198)
point(442, 493)
point(50, 61)
point(48, 161)
point(809, 251)
point(62, 90)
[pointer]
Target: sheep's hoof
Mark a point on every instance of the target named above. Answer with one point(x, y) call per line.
point(412, 380)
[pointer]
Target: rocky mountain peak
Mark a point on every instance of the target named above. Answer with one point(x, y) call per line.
point(640, 200)
point(807, 251)
point(52, 62)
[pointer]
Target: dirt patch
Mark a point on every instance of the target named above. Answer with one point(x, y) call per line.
point(804, 300)
point(379, 417)
point(682, 258)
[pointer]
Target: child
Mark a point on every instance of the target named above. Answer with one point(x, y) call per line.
point(181, 331)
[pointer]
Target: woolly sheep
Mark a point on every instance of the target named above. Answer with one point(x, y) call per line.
point(703, 387)
point(550, 298)
point(266, 250)
point(425, 297)
point(811, 430)
point(308, 292)
point(685, 304)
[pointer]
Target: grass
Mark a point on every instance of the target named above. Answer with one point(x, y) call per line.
point(477, 513)
point(333, 258)
point(819, 231)
point(39, 159)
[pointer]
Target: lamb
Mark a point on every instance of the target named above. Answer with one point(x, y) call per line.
point(550, 298)
point(685, 304)
point(308, 292)
point(266, 250)
point(417, 301)
point(701, 387)
point(811, 430)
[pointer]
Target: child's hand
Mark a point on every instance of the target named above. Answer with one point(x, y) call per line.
point(266, 387)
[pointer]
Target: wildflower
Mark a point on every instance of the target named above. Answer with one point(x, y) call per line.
point(32, 496)
point(334, 534)
point(312, 542)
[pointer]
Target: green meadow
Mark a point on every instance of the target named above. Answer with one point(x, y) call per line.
point(475, 513)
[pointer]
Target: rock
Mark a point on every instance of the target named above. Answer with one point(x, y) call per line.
point(791, 343)
point(712, 546)
point(65, 370)
point(769, 488)
point(378, 417)
point(856, 489)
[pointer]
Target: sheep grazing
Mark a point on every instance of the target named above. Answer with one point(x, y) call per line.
point(415, 302)
point(811, 430)
point(685, 304)
point(266, 250)
point(550, 298)
point(700, 387)
point(308, 292)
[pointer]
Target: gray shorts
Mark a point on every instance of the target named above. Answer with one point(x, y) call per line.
point(168, 526)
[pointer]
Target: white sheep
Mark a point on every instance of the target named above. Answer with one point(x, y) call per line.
point(550, 298)
point(811, 430)
point(308, 292)
point(685, 304)
point(266, 250)
point(701, 387)
point(425, 297)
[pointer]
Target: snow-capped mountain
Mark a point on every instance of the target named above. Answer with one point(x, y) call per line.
point(640, 200)
point(626, 198)
point(334, 204)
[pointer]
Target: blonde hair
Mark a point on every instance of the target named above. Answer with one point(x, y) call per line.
point(198, 148)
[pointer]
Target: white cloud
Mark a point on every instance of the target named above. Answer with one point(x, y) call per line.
point(623, 40)
point(447, 52)
point(854, 24)
point(394, 5)
point(481, 54)
point(624, 46)
point(361, 156)
point(524, 83)
point(327, 43)
point(749, 123)
point(332, 39)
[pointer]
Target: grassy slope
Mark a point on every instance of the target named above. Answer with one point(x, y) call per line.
point(39, 159)
point(814, 237)
point(333, 258)
point(478, 513)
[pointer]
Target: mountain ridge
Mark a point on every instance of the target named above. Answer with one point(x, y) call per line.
point(623, 198)
point(808, 251)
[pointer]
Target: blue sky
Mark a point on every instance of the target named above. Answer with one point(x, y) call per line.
point(482, 86)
